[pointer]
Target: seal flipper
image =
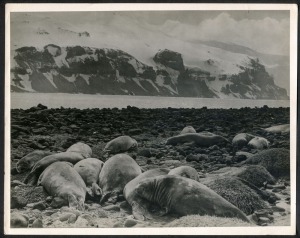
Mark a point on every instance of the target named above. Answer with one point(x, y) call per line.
point(137, 212)
point(75, 203)
point(105, 198)
point(96, 190)
point(90, 191)
point(31, 179)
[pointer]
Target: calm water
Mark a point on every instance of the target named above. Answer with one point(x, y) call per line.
point(82, 101)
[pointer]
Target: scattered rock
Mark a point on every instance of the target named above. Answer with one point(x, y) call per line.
point(39, 205)
point(38, 223)
point(118, 224)
point(130, 223)
point(72, 218)
point(18, 220)
point(17, 202)
point(65, 216)
point(81, 222)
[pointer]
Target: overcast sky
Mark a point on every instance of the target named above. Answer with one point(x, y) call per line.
point(264, 31)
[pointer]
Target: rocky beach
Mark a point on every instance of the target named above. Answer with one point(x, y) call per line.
point(265, 200)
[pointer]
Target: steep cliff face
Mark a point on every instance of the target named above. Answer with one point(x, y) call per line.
point(77, 69)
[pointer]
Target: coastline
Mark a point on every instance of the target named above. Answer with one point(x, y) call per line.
point(57, 129)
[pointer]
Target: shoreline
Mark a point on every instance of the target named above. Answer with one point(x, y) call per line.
point(40, 128)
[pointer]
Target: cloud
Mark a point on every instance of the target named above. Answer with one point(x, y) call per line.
point(266, 35)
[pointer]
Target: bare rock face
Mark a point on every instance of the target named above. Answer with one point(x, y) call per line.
point(170, 59)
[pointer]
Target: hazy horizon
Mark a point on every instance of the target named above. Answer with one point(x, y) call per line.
point(263, 31)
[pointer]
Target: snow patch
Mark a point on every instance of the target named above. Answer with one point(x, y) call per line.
point(249, 95)
point(160, 82)
point(217, 84)
point(49, 76)
point(120, 79)
point(138, 83)
point(86, 78)
point(60, 60)
point(136, 65)
point(151, 82)
point(52, 50)
point(71, 79)
point(26, 82)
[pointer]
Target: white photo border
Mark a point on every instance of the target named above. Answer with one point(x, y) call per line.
point(268, 230)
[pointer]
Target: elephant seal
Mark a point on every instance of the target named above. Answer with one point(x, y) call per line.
point(275, 160)
point(197, 139)
point(129, 192)
point(188, 129)
point(27, 162)
point(89, 170)
point(259, 143)
point(81, 148)
point(117, 171)
point(120, 144)
point(185, 171)
point(61, 180)
point(242, 139)
point(72, 157)
point(184, 196)
point(285, 128)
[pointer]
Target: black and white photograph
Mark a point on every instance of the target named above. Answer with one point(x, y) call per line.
point(150, 119)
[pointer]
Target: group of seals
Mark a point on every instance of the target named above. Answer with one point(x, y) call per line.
point(55, 172)
point(41, 165)
point(252, 141)
point(152, 193)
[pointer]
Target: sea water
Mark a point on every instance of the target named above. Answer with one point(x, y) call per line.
point(84, 101)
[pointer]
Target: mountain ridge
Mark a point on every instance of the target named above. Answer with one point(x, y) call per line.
point(77, 69)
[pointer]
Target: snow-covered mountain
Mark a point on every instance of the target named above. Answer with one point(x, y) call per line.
point(134, 58)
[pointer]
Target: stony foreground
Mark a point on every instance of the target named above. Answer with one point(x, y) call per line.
point(57, 129)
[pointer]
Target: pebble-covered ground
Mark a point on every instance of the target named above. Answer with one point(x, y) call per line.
point(39, 128)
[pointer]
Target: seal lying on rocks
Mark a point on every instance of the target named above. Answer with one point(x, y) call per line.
point(72, 157)
point(184, 196)
point(197, 139)
point(185, 171)
point(259, 143)
point(120, 144)
point(285, 128)
point(81, 148)
point(275, 160)
point(60, 179)
point(89, 170)
point(27, 162)
point(188, 129)
point(242, 139)
point(117, 171)
point(130, 194)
